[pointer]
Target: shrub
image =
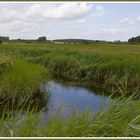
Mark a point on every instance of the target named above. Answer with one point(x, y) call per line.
point(0, 41)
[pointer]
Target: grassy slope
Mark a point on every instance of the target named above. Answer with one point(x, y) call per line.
point(19, 78)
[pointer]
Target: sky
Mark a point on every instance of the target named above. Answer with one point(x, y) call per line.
point(97, 21)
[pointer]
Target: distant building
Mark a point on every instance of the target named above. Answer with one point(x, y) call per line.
point(117, 41)
point(58, 42)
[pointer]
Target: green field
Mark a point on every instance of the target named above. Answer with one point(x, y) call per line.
point(109, 65)
point(115, 67)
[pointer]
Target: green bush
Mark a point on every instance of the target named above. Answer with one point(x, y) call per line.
point(0, 41)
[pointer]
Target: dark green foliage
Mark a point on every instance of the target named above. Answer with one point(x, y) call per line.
point(0, 41)
point(42, 38)
point(81, 41)
point(134, 40)
point(4, 38)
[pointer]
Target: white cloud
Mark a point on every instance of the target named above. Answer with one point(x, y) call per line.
point(99, 10)
point(138, 18)
point(25, 18)
point(21, 18)
point(109, 31)
point(127, 21)
point(40, 12)
point(130, 22)
point(81, 21)
point(61, 11)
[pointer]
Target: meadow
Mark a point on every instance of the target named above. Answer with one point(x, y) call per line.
point(115, 67)
point(104, 65)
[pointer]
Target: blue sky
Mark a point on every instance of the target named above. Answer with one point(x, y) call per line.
point(102, 21)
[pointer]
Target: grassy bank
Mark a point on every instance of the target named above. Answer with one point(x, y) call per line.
point(4, 63)
point(120, 119)
point(19, 78)
point(104, 65)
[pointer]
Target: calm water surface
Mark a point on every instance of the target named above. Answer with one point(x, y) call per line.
point(64, 98)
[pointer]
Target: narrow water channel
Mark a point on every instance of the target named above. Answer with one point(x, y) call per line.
point(62, 98)
point(65, 97)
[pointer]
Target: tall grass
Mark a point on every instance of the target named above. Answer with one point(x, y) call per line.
point(101, 65)
point(4, 63)
point(120, 119)
point(21, 79)
point(116, 66)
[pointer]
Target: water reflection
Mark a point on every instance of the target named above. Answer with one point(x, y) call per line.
point(12, 106)
point(64, 97)
point(60, 98)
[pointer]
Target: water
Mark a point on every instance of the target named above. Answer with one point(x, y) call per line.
point(64, 98)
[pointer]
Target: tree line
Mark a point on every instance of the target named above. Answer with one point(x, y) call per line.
point(133, 40)
point(4, 38)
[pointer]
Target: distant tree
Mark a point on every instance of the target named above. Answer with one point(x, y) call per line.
point(117, 41)
point(4, 38)
point(134, 40)
point(97, 41)
point(19, 39)
point(0, 41)
point(42, 38)
point(85, 41)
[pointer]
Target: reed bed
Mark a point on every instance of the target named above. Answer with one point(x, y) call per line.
point(103, 65)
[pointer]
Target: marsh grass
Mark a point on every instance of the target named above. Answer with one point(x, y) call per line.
point(5, 62)
point(102, 65)
point(21, 79)
point(121, 118)
point(18, 119)
point(115, 66)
